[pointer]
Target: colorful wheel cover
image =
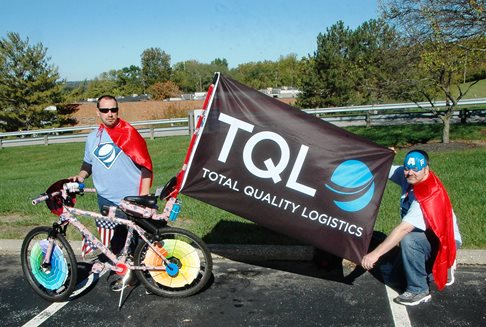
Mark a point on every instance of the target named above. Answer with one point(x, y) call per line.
point(174, 249)
point(57, 275)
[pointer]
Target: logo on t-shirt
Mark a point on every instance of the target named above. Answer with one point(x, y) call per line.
point(107, 153)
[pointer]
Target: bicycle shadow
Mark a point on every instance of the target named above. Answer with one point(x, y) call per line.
point(86, 280)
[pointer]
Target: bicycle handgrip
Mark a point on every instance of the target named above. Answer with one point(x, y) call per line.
point(39, 199)
point(43, 198)
point(74, 187)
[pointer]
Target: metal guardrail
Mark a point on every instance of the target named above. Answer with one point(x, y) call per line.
point(400, 113)
point(85, 128)
point(353, 115)
point(394, 106)
point(148, 129)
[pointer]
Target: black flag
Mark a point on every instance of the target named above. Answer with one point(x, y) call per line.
point(287, 170)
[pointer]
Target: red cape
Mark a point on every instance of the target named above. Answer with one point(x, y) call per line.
point(127, 138)
point(437, 209)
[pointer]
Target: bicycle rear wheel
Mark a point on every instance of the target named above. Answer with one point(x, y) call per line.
point(190, 264)
point(56, 281)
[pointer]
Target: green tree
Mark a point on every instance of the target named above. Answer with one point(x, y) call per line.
point(330, 78)
point(221, 63)
point(287, 68)
point(155, 67)
point(349, 66)
point(217, 65)
point(28, 84)
point(75, 91)
point(446, 37)
point(269, 74)
point(129, 81)
point(118, 82)
point(193, 76)
point(259, 75)
point(105, 83)
point(373, 50)
point(182, 77)
point(312, 87)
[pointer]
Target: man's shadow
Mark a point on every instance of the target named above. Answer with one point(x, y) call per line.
point(387, 269)
point(319, 264)
point(332, 267)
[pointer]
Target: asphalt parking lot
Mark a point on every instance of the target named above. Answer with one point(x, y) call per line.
point(264, 293)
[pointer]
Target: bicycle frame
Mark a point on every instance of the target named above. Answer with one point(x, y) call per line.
point(120, 265)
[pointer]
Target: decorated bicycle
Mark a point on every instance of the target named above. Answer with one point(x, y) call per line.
point(168, 261)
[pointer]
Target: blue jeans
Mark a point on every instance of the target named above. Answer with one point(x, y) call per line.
point(104, 202)
point(416, 251)
point(408, 267)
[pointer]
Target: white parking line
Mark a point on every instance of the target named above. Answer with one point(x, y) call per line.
point(399, 312)
point(46, 314)
point(53, 308)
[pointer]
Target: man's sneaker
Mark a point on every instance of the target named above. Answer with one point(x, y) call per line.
point(409, 298)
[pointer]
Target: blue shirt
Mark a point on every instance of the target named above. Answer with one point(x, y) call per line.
point(115, 175)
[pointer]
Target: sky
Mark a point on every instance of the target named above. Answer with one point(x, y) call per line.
point(88, 37)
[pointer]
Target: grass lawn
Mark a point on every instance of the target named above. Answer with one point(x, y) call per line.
point(28, 171)
point(477, 91)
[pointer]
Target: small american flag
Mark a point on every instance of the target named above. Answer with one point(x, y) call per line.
point(106, 230)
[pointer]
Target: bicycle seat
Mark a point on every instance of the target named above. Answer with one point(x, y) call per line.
point(148, 201)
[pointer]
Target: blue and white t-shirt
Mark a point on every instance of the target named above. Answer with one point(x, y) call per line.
point(410, 210)
point(114, 174)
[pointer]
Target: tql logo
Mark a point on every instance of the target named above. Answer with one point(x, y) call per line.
point(353, 182)
point(107, 153)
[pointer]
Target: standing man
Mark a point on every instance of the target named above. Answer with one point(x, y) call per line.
point(117, 157)
point(428, 233)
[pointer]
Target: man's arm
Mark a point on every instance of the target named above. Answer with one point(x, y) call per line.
point(389, 243)
point(146, 181)
point(84, 172)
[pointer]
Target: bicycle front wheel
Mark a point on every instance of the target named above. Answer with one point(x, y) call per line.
point(187, 271)
point(56, 280)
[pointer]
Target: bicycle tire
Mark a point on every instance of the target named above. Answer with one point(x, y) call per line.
point(182, 248)
point(57, 283)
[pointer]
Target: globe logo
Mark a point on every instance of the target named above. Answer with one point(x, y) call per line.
point(353, 184)
point(107, 154)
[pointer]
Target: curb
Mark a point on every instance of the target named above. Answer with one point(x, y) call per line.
point(251, 252)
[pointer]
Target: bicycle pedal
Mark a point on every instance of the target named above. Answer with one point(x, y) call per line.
point(97, 267)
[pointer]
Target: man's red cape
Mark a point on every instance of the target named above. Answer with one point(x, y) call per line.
point(127, 138)
point(437, 209)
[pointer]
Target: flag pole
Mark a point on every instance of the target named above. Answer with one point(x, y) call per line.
point(181, 174)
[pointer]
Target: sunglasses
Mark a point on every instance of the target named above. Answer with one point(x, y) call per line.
point(105, 110)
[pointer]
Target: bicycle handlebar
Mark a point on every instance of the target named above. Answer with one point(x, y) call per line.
point(72, 187)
